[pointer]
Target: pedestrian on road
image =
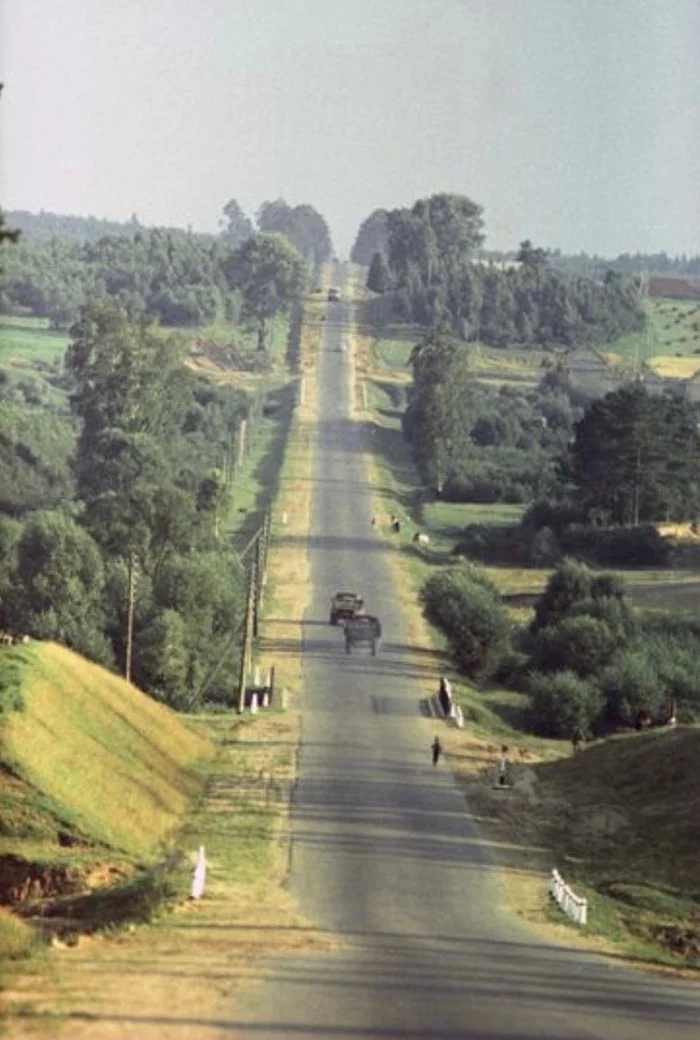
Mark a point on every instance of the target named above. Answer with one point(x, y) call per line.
point(437, 750)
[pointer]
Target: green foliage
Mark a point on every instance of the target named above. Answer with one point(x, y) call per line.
point(429, 249)
point(151, 437)
point(11, 663)
point(464, 604)
point(236, 227)
point(18, 941)
point(371, 238)
point(35, 457)
point(270, 274)
point(56, 585)
point(487, 445)
point(163, 659)
point(570, 584)
point(379, 275)
point(635, 457)
point(563, 704)
point(630, 685)
point(434, 421)
point(582, 644)
point(176, 278)
point(303, 226)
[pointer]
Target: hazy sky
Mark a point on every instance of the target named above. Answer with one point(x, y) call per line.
point(575, 123)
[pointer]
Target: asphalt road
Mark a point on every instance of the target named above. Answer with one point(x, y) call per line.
point(384, 852)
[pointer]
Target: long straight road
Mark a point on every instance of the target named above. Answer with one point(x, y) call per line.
point(384, 852)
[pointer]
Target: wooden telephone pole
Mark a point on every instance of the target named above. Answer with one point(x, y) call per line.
point(131, 605)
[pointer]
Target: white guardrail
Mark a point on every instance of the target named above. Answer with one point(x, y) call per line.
point(573, 906)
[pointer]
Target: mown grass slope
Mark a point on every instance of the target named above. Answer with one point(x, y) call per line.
point(85, 753)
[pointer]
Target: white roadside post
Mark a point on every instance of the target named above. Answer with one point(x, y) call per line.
point(200, 874)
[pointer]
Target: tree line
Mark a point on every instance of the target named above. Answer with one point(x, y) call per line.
point(628, 458)
point(178, 278)
point(142, 491)
point(587, 660)
point(427, 257)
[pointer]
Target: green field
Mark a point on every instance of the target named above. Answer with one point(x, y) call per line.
point(673, 330)
point(30, 339)
point(523, 368)
point(224, 333)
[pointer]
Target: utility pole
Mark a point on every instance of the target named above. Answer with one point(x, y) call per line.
point(131, 604)
point(247, 651)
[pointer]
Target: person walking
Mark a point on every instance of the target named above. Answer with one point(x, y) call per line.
point(436, 748)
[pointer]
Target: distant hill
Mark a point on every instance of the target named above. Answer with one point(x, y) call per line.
point(87, 760)
point(45, 225)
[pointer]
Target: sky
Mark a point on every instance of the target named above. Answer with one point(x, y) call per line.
point(574, 123)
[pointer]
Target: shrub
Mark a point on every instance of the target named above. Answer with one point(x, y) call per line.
point(621, 546)
point(11, 664)
point(569, 584)
point(615, 612)
point(630, 684)
point(563, 703)
point(544, 549)
point(465, 605)
point(578, 644)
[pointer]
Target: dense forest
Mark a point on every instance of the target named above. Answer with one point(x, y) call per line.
point(111, 461)
point(429, 266)
point(130, 477)
point(177, 277)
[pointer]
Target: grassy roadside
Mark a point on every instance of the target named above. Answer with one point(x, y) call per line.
point(183, 964)
point(591, 815)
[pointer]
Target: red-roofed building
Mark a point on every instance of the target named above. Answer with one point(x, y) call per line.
point(673, 288)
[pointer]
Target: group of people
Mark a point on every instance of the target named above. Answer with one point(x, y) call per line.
point(394, 523)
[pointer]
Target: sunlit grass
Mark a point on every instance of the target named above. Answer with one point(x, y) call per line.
point(105, 757)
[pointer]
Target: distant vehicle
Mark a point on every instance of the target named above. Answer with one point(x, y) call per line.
point(334, 295)
point(362, 628)
point(341, 347)
point(344, 606)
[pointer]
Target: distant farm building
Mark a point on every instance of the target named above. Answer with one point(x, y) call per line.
point(672, 288)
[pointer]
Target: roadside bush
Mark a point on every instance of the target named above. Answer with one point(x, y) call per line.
point(563, 703)
point(616, 613)
point(569, 584)
point(583, 645)
point(630, 684)
point(465, 605)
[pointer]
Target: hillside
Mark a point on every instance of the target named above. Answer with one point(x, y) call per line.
point(621, 820)
point(91, 769)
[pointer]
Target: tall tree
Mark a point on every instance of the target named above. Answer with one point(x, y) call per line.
point(636, 456)
point(438, 420)
point(302, 225)
point(270, 274)
point(236, 227)
point(371, 238)
point(57, 584)
point(379, 275)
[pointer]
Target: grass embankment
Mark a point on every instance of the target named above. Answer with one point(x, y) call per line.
point(94, 779)
point(620, 819)
point(183, 966)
